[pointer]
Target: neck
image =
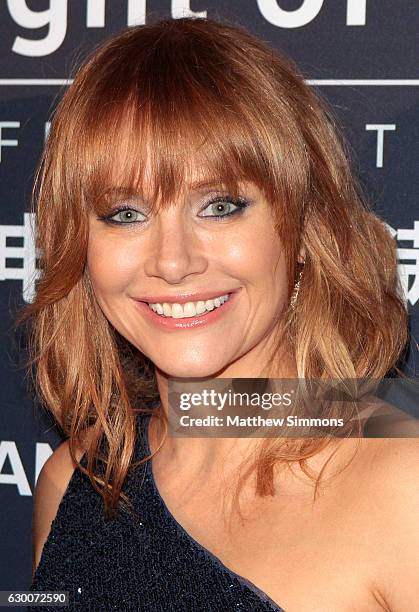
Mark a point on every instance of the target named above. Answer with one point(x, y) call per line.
point(208, 453)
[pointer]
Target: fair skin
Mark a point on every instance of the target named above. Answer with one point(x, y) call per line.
point(340, 553)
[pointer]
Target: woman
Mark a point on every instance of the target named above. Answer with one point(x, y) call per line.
point(189, 161)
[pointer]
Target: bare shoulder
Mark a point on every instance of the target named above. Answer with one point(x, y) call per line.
point(393, 484)
point(51, 485)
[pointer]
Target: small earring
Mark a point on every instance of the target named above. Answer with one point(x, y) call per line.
point(296, 287)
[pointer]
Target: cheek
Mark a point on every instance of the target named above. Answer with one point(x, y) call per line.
point(110, 265)
point(258, 256)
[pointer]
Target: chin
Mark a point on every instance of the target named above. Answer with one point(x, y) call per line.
point(189, 370)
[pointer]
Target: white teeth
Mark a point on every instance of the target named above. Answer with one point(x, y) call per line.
point(190, 309)
point(209, 305)
point(200, 307)
point(177, 311)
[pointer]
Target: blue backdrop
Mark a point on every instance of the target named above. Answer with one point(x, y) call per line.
point(362, 55)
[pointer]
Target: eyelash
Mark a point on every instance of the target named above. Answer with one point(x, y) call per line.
point(240, 203)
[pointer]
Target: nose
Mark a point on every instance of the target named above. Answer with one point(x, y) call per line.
point(174, 249)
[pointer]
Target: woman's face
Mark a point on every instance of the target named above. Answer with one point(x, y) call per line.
point(187, 253)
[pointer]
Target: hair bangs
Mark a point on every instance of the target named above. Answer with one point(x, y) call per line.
point(164, 136)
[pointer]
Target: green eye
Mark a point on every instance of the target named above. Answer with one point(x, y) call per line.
point(123, 216)
point(126, 216)
point(220, 207)
point(224, 206)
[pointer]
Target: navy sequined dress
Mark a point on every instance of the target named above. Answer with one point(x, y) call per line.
point(148, 564)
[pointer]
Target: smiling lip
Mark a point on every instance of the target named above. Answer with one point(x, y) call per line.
point(183, 298)
point(196, 322)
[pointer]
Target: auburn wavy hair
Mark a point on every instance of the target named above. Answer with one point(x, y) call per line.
point(161, 95)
